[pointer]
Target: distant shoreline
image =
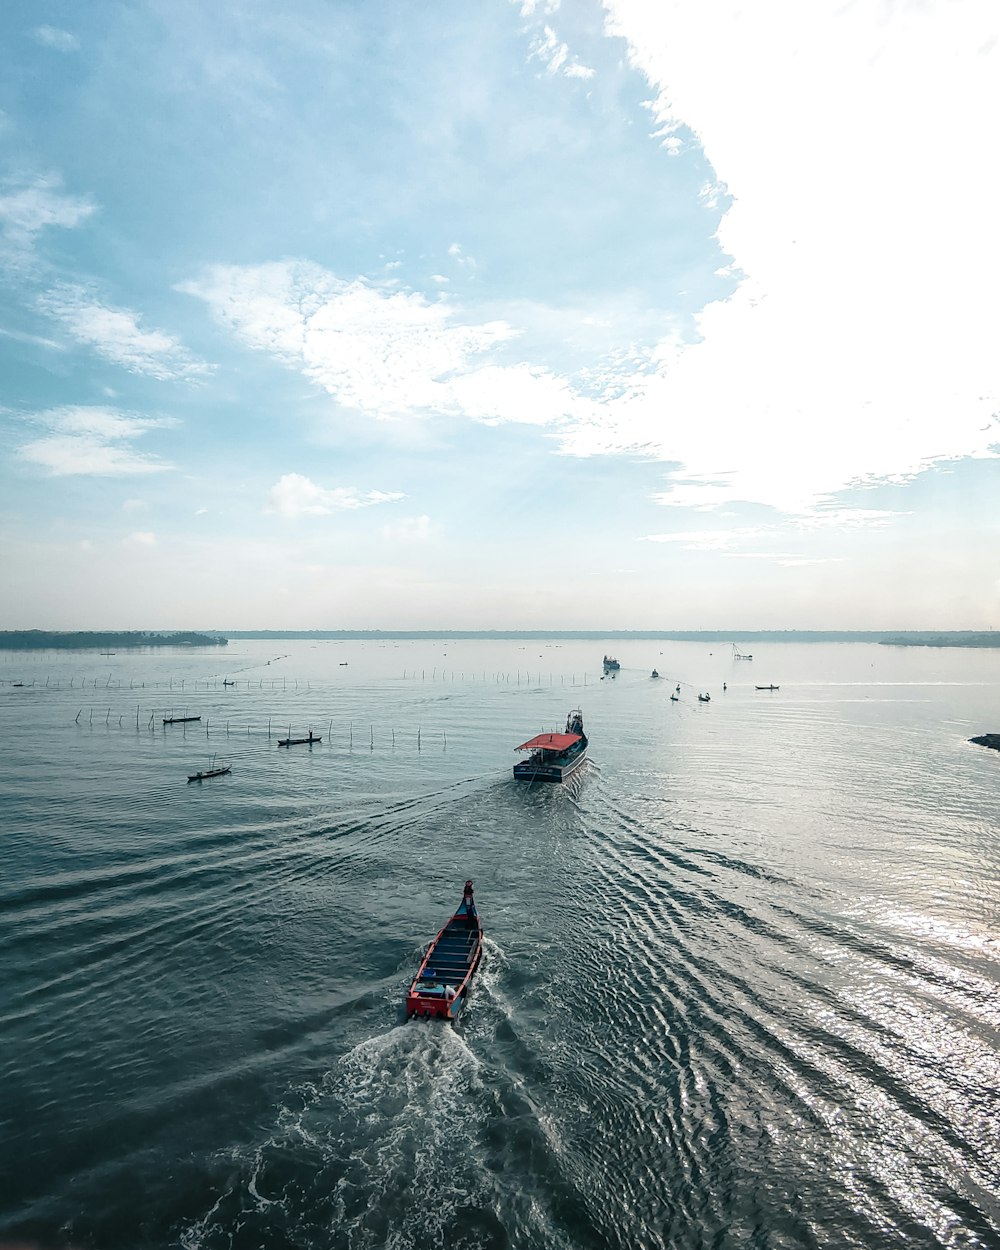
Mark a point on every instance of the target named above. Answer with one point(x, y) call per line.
point(83, 639)
point(888, 638)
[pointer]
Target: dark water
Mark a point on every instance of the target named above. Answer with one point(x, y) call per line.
point(741, 978)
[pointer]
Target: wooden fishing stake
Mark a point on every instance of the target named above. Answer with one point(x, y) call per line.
point(418, 739)
point(394, 738)
point(350, 741)
point(371, 737)
point(269, 726)
point(78, 716)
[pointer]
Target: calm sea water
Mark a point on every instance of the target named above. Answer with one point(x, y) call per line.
point(740, 986)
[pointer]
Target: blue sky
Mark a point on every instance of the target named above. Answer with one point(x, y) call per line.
point(607, 315)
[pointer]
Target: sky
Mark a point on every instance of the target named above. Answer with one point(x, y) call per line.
point(620, 314)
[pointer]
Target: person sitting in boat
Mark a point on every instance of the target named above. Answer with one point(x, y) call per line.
point(429, 983)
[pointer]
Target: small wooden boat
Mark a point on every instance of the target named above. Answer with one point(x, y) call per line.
point(767, 687)
point(441, 987)
point(611, 665)
point(675, 698)
point(295, 742)
point(554, 756)
point(179, 720)
point(211, 772)
point(654, 673)
point(227, 682)
point(704, 698)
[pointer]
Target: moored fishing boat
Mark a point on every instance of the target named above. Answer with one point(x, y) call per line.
point(767, 687)
point(611, 665)
point(211, 772)
point(553, 757)
point(297, 742)
point(441, 987)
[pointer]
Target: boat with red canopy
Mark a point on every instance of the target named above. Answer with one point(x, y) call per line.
point(554, 756)
point(441, 987)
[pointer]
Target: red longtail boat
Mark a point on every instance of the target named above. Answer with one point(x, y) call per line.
point(441, 987)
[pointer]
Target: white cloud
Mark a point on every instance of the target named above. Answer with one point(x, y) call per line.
point(35, 340)
point(417, 529)
point(53, 37)
point(707, 540)
point(385, 354)
point(857, 143)
point(294, 495)
point(461, 258)
point(555, 56)
point(96, 441)
point(25, 210)
point(141, 538)
point(115, 334)
point(524, 393)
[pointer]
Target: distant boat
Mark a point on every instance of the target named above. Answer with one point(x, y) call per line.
point(294, 742)
point(553, 757)
point(704, 698)
point(227, 682)
point(441, 987)
point(654, 673)
point(767, 687)
point(211, 772)
point(738, 654)
point(179, 720)
point(611, 665)
point(675, 698)
point(343, 664)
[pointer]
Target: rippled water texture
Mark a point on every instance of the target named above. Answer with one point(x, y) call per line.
point(740, 985)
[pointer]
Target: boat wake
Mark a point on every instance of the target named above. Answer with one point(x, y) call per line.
point(398, 1145)
point(379, 1153)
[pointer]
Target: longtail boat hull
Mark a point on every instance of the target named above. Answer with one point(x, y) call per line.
point(212, 772)
point(440, 989)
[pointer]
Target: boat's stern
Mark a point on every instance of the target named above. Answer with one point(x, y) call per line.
point(432, 1006)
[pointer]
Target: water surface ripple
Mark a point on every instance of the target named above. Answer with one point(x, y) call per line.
point(740, 985)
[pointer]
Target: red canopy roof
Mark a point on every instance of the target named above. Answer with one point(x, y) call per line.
point(549, 742)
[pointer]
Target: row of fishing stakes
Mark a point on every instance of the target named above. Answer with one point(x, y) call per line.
point(151, 725)
point(498, 678)
point(210, 684)
point(516, 678)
